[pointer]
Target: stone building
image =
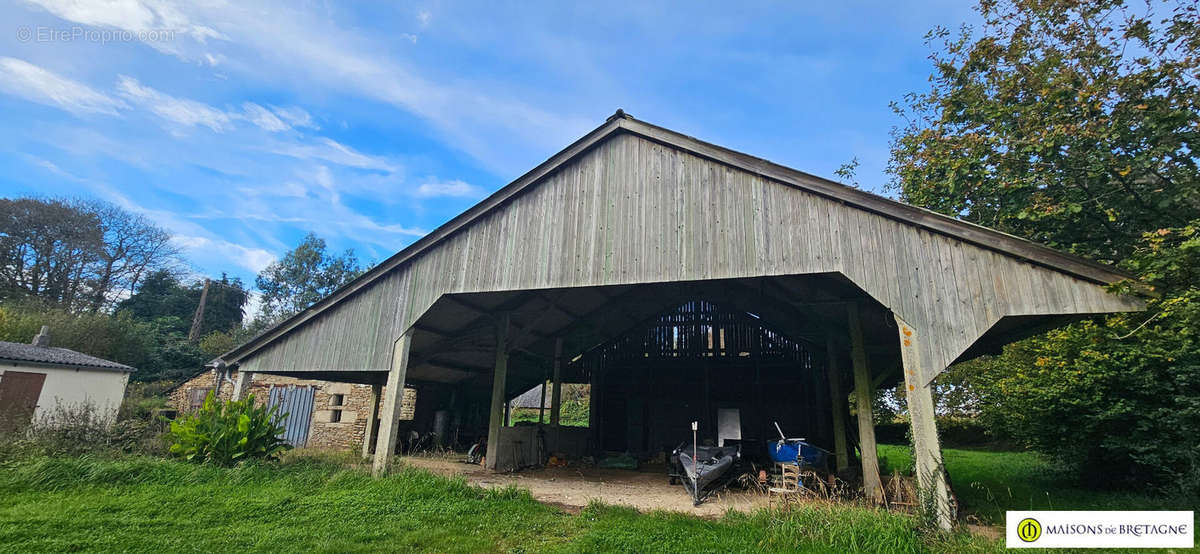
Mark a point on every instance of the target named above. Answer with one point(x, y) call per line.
point(336, 418)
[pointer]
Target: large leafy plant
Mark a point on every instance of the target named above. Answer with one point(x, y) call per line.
point(227, 433)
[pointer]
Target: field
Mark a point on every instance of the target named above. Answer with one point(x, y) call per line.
point(324, 505)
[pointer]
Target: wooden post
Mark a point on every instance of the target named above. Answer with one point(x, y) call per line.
point(241, 386)
point(198, 318)
point(837, 399)
point(864, 395)
point(542, 406)
point(372, 415)
point(556, 392)
point(931, 474)
point(392, 402)
point(499, 382)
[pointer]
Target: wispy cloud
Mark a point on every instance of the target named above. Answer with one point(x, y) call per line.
point(454, 188)
point(332, 151)
point(164, 23)
point(188, 113)
point(36, 84)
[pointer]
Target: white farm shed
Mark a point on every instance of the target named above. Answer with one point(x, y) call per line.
point(36, 379)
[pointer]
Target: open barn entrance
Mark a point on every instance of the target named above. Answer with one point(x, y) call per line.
point(738, 356)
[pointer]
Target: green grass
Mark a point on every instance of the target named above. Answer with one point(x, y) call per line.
point(988, 483)
point(146, 504)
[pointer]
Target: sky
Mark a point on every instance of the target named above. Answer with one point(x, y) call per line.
point(242, 126)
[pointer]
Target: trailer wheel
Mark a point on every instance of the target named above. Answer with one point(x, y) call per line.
point(674, 481)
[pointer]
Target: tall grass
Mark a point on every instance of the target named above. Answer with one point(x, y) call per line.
point(142, 503)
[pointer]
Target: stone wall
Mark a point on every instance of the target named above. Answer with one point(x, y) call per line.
point(340, 410)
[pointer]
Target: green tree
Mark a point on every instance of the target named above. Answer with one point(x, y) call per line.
point(1072, 123)
point(302, 277)
point(1075, 124)
point(162, 295)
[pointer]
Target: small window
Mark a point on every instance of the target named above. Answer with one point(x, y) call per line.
point(335, 416)
point(336, 400)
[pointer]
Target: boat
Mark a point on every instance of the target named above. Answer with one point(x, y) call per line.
point(704, 470)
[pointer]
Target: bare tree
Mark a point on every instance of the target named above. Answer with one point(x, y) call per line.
point(77, 255)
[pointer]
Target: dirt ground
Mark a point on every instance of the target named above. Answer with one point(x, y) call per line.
point(572, 488)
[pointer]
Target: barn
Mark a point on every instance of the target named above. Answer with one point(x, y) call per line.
point(685, 282)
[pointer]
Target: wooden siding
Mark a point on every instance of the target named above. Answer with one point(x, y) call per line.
point(631, 210)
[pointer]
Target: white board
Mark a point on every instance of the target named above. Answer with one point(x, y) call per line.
point(729, 425)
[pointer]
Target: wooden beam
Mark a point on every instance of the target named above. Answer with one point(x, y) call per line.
point(864, 396)
point(389, 424)
point(838, 402)
point(931, 474)
point(556, 395)
point(241, 387)
point(499, 381)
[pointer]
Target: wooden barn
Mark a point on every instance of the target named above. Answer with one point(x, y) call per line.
point(685, 282)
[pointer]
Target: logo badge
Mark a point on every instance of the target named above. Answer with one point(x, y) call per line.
point(1029, 529)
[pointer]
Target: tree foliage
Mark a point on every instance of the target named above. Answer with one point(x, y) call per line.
point(1075, 124)
point(76, 255)
point(1071, 123)
point(162, 295)
point(303, 276)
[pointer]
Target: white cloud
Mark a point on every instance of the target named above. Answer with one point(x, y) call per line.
point(188, 113)
point(453, 188)
point(264, 118)
point(424, 17)
point(332, 151)
point(252, 259)
point(25, 80)
point(296, 117)
point(143, 18)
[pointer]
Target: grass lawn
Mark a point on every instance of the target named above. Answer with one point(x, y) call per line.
point(146, 504)
point(989, 483)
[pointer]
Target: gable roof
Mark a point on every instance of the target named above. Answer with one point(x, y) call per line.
point(620, 122)
point(51, 355)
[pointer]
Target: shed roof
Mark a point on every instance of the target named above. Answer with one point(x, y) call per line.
point(52, 355)
point(621, 122)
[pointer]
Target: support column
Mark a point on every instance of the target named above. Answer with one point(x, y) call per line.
point(241, 386)
point(838, 402)
point(927, 451)
point(392, 400)
point(864, 395)
point(499, 382)
point(372, 415)
point(556, 391)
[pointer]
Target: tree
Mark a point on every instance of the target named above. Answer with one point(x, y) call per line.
point(302, 277)
point(1072, 123)
point(1075, 124)
point(76, 255)
point(162, 295)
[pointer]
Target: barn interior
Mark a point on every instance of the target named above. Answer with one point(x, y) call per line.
point(738, 356)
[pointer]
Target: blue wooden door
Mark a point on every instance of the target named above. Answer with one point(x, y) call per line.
point(295, 406)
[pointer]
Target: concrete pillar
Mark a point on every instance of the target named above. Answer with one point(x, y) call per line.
point(931, 473)
point(372, 415)
point(389, 421)
point(556, 391)
point(498, 412)
point(864, 394)
point(241, 386)
point(838, 402)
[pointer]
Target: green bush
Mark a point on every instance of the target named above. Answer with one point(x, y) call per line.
point(79, 429)
point(226, 433)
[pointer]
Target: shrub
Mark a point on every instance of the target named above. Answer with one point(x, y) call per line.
point(227, 433)
point(78, 429)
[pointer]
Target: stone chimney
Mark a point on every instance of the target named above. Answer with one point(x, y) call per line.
point(43, 338)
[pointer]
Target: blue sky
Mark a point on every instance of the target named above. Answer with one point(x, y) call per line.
point(241, 126)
